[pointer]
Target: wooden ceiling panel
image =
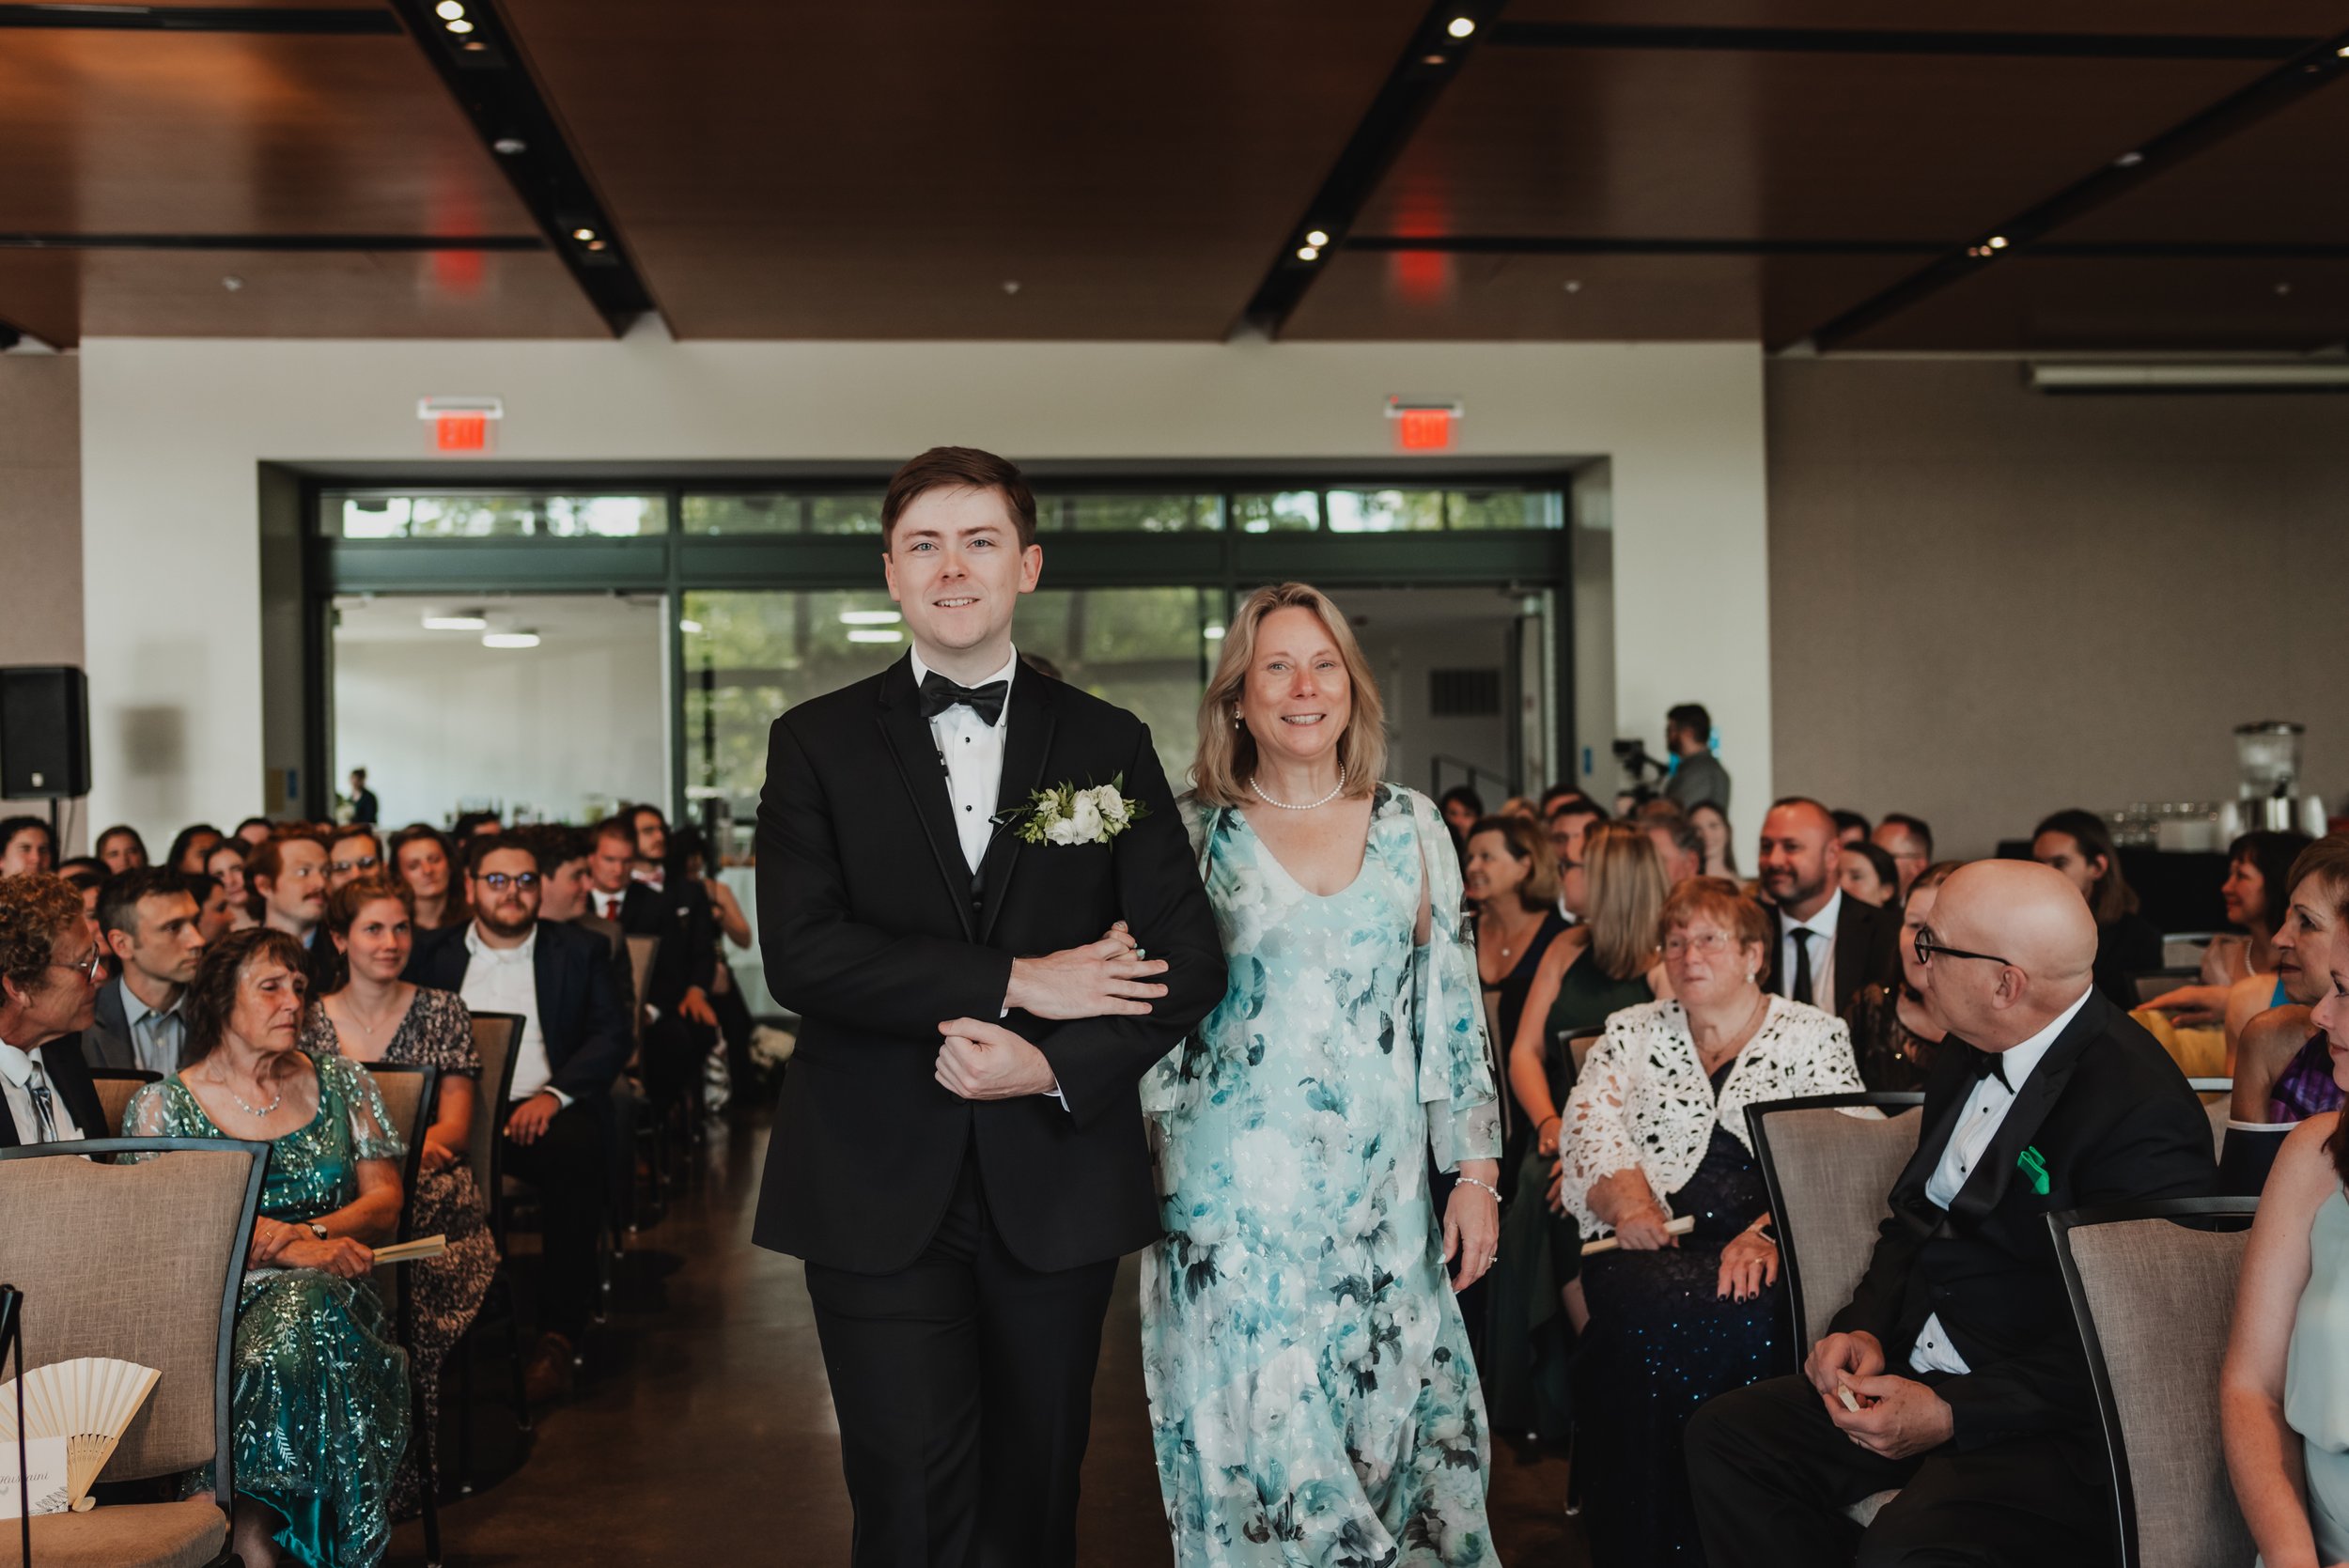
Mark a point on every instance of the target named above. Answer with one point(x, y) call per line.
point(2239, 18)
point(2055, 304)
point(64, 296)
point(881, 169)
point(1707, 145)
point(2277, 182)
point(164, 133)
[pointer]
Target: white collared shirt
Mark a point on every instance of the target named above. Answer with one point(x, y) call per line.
point(1822, 953)
point(972, 751)
point(1978, 1124)
point(16, 1082)
point(506, 979)
point(156, 1038)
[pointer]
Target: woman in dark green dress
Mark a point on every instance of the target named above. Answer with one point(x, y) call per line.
point(319, 1393)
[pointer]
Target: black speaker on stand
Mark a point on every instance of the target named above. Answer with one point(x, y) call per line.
point(44, 736)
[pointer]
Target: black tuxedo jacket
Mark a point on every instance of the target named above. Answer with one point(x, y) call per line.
point(579, 1012)
point(68, 1077)
point(681, 917)
point(874, 935)
point(1867, 950)
point(2113, 1120)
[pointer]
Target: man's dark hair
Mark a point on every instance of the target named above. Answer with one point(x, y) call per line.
point(554, 843)
point(2111, 896)
point(256, 822)
point(640, 808)
point(86, 871)
point(1558, 794)
point(201, 886)
point(11, 825)
point(961, 468)
point(482, 845)
point(1846, 819)
point(2271, 854)
point(620, 825)
point(349, 831)
point(1579, 805)
point(1680, 830)
point(119, 905)
point(1692, 718)
point(1463, 795)
point(1916, 828)
point(468, 821)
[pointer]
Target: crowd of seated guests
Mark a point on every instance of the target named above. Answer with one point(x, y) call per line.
point(258, 974)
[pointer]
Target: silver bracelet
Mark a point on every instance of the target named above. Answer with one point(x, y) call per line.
point(1471, 1181)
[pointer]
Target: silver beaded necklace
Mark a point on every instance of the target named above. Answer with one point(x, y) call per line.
point(1310, 805)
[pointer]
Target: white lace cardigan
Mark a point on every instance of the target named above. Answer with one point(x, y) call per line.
point(1642, 1099)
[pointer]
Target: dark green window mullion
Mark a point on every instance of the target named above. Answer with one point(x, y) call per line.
point(680, 806)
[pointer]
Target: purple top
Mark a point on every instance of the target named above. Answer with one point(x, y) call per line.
point(2305, 1088)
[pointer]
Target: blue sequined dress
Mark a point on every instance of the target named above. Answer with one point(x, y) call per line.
point(319, 1403)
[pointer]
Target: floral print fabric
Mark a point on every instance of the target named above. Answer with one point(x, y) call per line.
point(1312, 1400)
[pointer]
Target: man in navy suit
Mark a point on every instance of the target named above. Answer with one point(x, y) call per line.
point(573, 1043)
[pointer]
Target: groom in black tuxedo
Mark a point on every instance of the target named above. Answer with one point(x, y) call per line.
point(959, 1154)
point(1959, 1346)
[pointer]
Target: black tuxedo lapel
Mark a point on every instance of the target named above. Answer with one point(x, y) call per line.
point(1988, 1182)
point(1027, 745)
point(915, 751)
point(1954, 1087)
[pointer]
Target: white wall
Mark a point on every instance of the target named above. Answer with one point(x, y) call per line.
point(173, 431)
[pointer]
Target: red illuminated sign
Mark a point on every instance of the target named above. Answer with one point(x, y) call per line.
point(1423, 429)
point(460, 432)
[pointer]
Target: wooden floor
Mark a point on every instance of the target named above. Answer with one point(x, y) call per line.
point(703, 1430)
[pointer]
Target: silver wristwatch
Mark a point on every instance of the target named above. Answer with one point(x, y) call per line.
point(319, 1230)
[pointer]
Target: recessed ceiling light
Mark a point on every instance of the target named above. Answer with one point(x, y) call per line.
point(1573, 286)
point(583, 235)
point(449, 11)
point(509, 146)
point(876, 634)
point(2342, 51)
point(1308, 253)
point(1011, 286)
point(509, 640)
point(1997, 241)
point(1317, 237)
point(456, 623)
point(232, 283)
point(2128, 160)
point(460, 25)
point(870, 617)
point(2282, 288)
point(1461, 26)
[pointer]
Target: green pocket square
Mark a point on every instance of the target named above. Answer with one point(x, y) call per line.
point(2034, 1165)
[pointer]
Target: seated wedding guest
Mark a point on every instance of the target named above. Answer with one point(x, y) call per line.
point(1824, 945)
point(378, 1016)
point(150, 921)
point(1866, 873)
point(1568, 823)
point(2255, 895)
point(422, 857)
point(1893, 1032)
point(351, 853)
point(1462, 808)
point(680, 1025)
point(48, 988)
point(2283, 1391)
point(190, 848)
point(285, 883)
point(566, 893)
point(253, 831)
point(1712, 826)
point(1606, 962)
point(1512, 886)
point(474, 824)
point(319, 1400)
point(1558, 795)
point(1959, 1347)
point(691, 853)
point(1656, 1127)
point(1679, 847)
point(1519, 807)
point(215, 912)
point(121, 850)
point(574, 1040)
point(2078, 845)
point(1909, 842)
point(226, 861)
point(1850, 826)
point(1697, 774)
point(25, 845)
point(2283, 1063)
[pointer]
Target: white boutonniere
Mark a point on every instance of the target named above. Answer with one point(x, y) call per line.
point(1067, 815)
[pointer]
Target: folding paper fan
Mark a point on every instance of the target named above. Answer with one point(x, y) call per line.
point(88, 1401)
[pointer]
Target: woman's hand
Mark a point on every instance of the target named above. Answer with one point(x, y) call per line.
point(438, 1157)
point(271, 1237)
point(1642, 1229)
point(1472, 1224)
point(1545, 1136)
point(2192, 1006)
point(340, 1255)
point(1749, 1266)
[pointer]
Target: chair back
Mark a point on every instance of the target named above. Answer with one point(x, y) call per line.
point(494, 1037)
point(410, 1099)
point(642, 952)
point(140, 1262)
point(114, 1086)
point(1580, 1043)
point(2218, 1109)
point(2152, 1293)
point(2153, 982)
point(1830, 1176)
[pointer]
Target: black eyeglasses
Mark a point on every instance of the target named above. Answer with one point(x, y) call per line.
point(1927, 947)
point(364, 863)
point(498, 881)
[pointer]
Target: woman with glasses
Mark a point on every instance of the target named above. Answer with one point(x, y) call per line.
point(1656, 1134)
point(49, 977)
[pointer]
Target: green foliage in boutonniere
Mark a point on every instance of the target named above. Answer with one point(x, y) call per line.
point(1067, 815)
point(2034, 1165)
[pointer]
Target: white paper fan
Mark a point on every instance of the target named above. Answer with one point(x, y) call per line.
point(88, 1401)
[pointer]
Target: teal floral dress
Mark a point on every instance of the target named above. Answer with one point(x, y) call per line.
point(1312, 1400)
point(320, 1394)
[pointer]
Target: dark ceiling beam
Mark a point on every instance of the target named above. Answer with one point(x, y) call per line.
point(2124, 250)
point(272, 242)
point(1431, 58)
point(483, 69)
point(1871, 41)
point(2313, 69)
point(339, 20)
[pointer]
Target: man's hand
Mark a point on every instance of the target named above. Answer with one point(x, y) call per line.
point(530, 1117)
point(1898, 1417)
point(1104, 979)
point(986, 1062)
point(1840, 1359)
point(694, 1005)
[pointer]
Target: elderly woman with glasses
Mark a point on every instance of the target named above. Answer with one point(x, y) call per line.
point(49, 977)
point(1656, 1151)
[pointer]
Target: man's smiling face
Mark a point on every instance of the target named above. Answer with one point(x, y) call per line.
point(956, 570)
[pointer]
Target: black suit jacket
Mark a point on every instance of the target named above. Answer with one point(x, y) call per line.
point(579, 1010)
point(68, 1077)
point(1867, 950)
point(2113, 1120)
point(681, 917)
point(106, 1042)
point(875, 936)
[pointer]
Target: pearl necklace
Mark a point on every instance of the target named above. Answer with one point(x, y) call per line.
point(1310, 805)
point(261, 1115)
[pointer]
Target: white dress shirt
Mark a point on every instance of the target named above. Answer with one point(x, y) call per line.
point(506, 979)
point(1822, 953)
point(1985, 1112)
point(972, 751)
point(17, 1070)
point(156, 1038)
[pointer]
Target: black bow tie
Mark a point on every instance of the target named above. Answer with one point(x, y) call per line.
point(939, 695)
point(1985, 1064)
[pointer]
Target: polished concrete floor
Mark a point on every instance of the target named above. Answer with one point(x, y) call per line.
point(702, 1430)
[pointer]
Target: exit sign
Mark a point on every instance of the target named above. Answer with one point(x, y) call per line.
point(1423, 424)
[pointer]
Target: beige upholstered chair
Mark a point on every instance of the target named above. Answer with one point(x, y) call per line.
point(114, 1086)
point(2153, 1299)
point(1581, 1043)
point(140, 1262)
point(410, 1100)
point(642, 951)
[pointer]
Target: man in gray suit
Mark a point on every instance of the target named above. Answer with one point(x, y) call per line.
point(147, 919)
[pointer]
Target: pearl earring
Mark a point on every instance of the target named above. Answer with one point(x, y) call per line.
point(1238, 718)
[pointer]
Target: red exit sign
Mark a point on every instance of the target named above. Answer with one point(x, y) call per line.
point(1423, 424)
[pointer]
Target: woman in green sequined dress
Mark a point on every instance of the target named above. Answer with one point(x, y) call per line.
point(320, 1392)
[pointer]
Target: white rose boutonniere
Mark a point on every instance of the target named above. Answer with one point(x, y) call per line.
point(1067, 815)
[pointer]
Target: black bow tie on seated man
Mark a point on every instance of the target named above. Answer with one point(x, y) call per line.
point(939, 695)
point(1984, 1063)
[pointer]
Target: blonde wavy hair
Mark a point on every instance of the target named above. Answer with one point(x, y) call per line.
point(1227, 752)
point(1627, 890)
